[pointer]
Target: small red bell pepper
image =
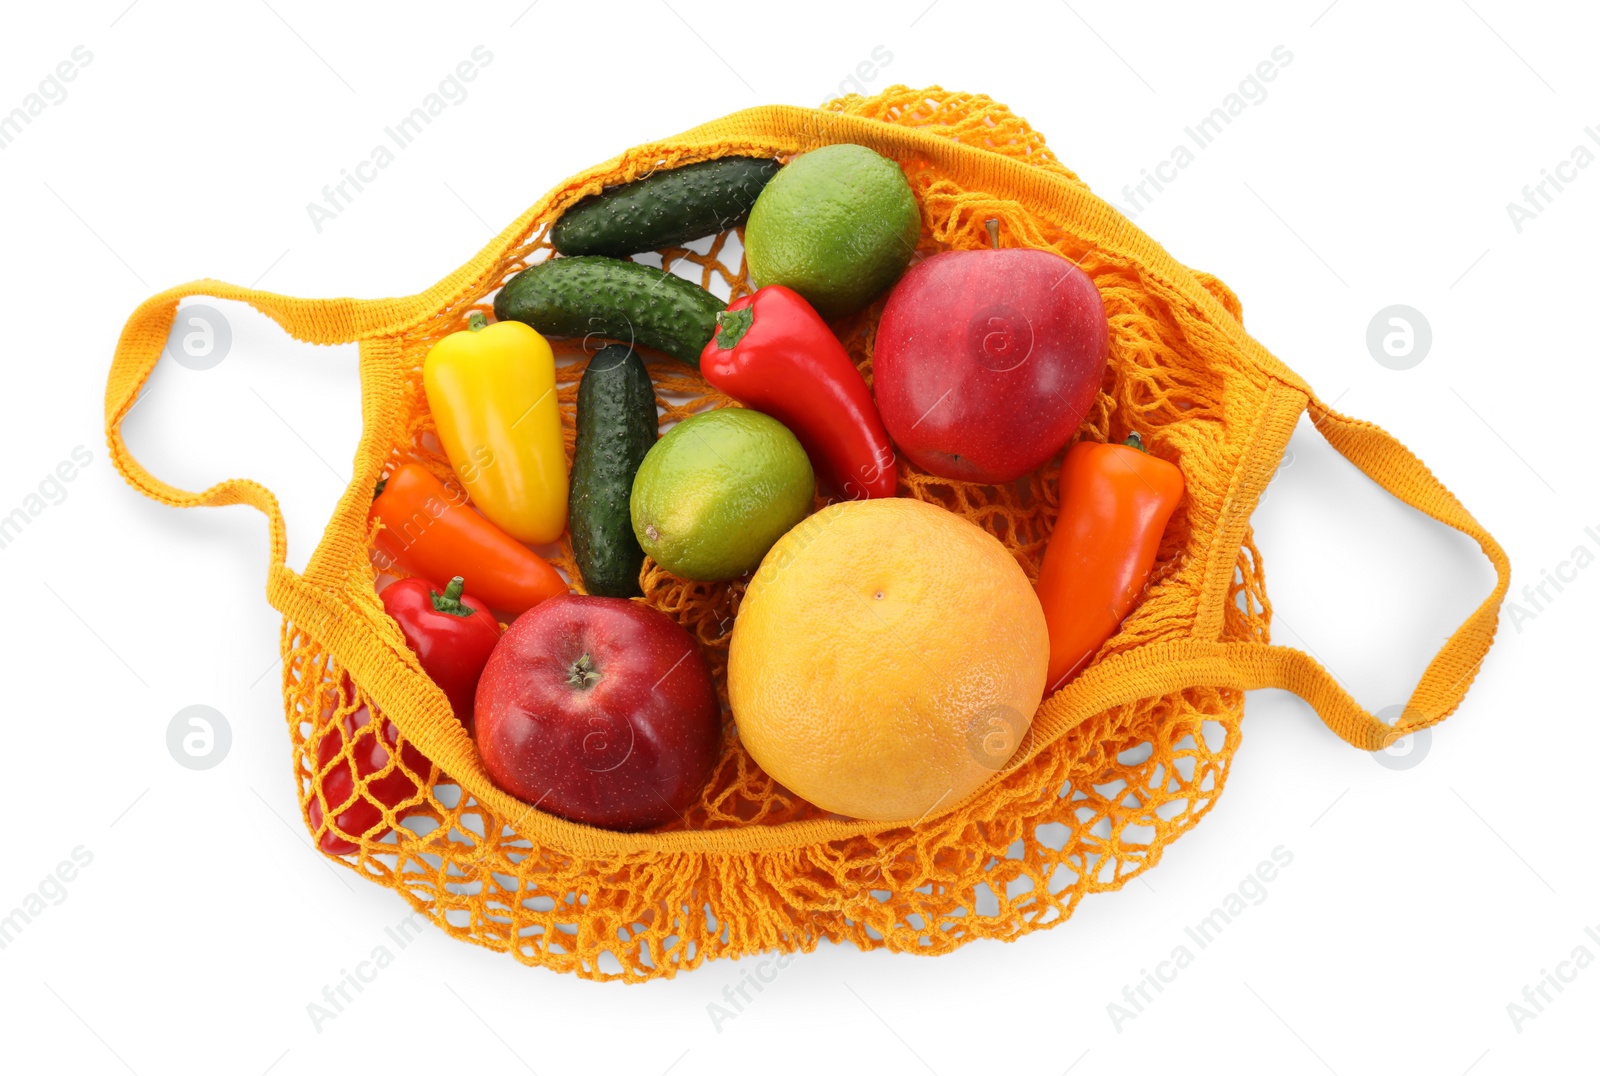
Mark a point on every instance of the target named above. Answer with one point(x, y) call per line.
point(773, 352)
point(1115, 503)
point(452, 634)
point(357, 812)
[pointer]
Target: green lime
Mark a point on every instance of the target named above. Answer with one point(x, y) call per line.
point(715, 493)
point(837, 225)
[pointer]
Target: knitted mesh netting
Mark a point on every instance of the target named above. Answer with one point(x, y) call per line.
point(1080, 814)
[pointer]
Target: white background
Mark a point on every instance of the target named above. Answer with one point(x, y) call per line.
point(1420, 900)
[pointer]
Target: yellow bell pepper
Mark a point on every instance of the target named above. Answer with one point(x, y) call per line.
point(492, 391)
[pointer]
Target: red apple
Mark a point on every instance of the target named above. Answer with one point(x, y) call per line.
point(600, 710)
point(987, 361)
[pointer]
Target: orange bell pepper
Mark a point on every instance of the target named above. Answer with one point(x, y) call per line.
point(429, 530)
point(1115, 503)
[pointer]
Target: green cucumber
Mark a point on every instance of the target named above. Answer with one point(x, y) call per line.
point(664, 209)
point(623, 300)
point(616, 427)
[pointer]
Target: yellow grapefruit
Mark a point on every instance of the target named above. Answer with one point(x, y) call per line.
point(887, 658)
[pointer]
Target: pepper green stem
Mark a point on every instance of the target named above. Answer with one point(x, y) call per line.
point(476, 321)
point(993, 225)
point(1135, 441)
point(732, 325)
point(377, 491)
point(582, 674)
point(450, 602)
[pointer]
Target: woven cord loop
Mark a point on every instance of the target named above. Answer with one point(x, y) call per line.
point(1450, 673)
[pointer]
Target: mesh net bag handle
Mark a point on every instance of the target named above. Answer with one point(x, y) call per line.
point(1251, 665)
point(313, 598)
point(793, 878)
point(1450, 673)
point(139, 348)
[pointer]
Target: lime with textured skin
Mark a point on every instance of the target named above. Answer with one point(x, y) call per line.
point(715, 493)
point(838, 225)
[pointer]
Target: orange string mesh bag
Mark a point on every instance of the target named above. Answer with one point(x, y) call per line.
point(1122, 761)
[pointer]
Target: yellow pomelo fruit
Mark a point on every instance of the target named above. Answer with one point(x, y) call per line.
point(887, 658)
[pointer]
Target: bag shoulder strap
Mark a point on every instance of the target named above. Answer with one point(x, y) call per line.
point(316, 321)
point(1381, 457)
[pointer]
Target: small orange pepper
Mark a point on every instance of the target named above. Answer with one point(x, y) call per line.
point(431, 531)
point(1115, 503)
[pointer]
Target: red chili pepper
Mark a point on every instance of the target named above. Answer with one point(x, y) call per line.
point(1115, 502)
point(773, 352)
point(452, 634)
point(430, 531)
point(357, 812)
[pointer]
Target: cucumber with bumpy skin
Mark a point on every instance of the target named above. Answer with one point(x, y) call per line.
point(617, 424)
point(623, 300)
point(664, 209)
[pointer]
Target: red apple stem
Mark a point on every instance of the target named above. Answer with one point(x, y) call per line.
point(993, 225)
point(582, 674)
